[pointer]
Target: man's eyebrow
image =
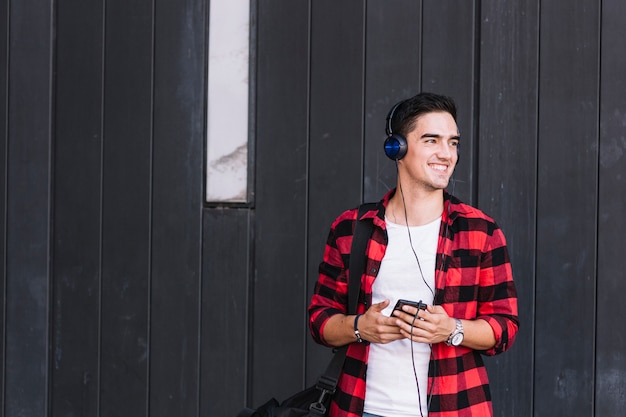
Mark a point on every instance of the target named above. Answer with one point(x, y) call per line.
point(435, 135)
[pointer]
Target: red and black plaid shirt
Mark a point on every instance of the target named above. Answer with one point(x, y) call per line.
point(473, 280)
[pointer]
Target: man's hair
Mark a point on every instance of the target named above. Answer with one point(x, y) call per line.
point(405, 114)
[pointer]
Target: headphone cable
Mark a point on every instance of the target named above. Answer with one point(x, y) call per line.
point(406, 221)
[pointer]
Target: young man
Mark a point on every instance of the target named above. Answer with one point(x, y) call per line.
point(426, 246)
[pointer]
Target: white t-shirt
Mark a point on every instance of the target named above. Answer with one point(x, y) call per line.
point(392, 380)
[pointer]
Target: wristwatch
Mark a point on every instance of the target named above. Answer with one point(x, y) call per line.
point(456, 338)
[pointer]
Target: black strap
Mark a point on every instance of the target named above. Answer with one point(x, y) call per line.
point(362, 232)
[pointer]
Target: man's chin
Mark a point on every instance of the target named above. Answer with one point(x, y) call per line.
point(441, 184)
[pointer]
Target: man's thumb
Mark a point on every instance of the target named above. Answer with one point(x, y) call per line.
point(380, 306)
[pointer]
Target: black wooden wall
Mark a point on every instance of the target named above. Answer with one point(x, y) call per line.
point(123, 294)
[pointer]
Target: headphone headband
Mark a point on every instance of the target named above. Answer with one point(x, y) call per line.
point(388, 129)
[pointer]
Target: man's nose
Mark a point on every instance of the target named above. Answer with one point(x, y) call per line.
point(444, 151)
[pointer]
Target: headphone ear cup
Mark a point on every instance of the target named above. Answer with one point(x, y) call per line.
point(395, 147)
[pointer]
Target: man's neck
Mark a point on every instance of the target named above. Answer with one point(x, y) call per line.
point(420, 207)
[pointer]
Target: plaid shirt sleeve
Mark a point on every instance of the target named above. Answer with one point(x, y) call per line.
point(497, 294)
point(330, 296)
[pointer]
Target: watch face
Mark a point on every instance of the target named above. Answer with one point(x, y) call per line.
point(457, 339)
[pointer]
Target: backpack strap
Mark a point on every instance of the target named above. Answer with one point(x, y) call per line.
point(358, 262)
point(362, 232)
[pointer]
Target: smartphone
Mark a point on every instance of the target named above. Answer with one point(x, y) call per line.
point(416, 304)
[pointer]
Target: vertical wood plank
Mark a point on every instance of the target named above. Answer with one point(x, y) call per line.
point(610, 386)
point(4, 140)
point(279, 304)
point(77, 208)
point(126, 217)
point(336, 134)
point(177, 207)
point(507, 164)
point(392, 73)
point(567, 208)
point(227, 262)
point(450, 52)
point(27, 142)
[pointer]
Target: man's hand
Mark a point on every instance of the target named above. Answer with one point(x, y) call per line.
point(375, 327)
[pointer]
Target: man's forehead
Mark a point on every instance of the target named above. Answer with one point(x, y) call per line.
point(438, 122)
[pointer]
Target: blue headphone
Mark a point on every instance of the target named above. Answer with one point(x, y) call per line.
point(395, 144)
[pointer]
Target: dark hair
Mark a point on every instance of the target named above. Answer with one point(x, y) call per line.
point(403, 115)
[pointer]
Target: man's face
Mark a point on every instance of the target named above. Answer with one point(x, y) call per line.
point(432, 151)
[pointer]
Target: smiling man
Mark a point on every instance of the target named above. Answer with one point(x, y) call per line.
point(448, 259)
